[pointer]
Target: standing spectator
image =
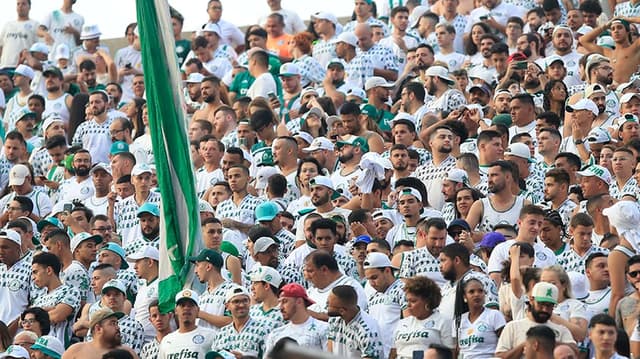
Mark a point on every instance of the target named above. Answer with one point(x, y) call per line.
point(229, 33)
point(293, 24)
point(15, 272)
point(17, 35)
point(128, 62)
point(62, 27)
point(278, 39)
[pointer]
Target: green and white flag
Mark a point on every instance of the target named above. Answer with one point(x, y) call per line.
point(180, 235)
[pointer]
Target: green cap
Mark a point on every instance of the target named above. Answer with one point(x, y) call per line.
point(354, 141)
point(119, 147)
point(230, 248)
point(368, 110)
point(502, 119)
point(208, 255)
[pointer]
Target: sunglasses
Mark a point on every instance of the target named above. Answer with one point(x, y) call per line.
point(634, 273)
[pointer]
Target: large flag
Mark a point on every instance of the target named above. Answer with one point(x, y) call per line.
point(180, 220)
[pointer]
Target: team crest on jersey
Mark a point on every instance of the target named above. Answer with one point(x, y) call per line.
point(198, 339)
point(179, 48)
point(57, 105)
point(28, 26)
point(85, 190)
point(429, 324)
point(611, 103)
point(571, 63)
point(483, 327)
point(541, 256)
point(14, 285)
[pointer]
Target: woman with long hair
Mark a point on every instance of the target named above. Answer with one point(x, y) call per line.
point(477, 328)
point(472, 43)
point(569, 311)
point(555, 97)
point(464, 199)
point(425, 325)
point(133, 110)
point(308, 168)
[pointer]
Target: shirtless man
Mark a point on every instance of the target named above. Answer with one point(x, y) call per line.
point(106, 337)
point(210, 90)
point(625, 57)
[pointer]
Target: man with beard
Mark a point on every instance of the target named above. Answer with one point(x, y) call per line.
point(352, 332)
point(210, 93)
point(456, 269)
point(14, 151)
point(352, 118)
point(350, 151)
point(387, 303)
point(625, 53)
point(502, 206)
point(439, 84)
point(149, 216)
point(502, 102)
point(245, 335)
point(399, 157)
point(79, 187)
point(455, 180)
point(582, 113)
point(597, 93)
point(208, 266)
point(412, 102)
point(121, 129)
point(599, 71)
point(532, 85)
point(543, 298)
point(192, 94)
point(102, 178)
point(520, 156)
point(307, 331)
point(529, 45)
point(94, 135)
point(434, 171)
point(106, 337)
point(87, 77)
point(58, 101)
point(225, 125)
point(431, 235)
point(480, 95)
point(562, 41)
point(190, 340)
point(556, 194)
point(210, 173)
point(115, 298)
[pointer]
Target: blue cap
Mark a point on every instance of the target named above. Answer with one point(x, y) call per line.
point(363, 238)
point(267, 211)
point(113, 247)
point(148, 207)
point(491, 240)
point(49, 221)
point(118, 147)
point(460, 223)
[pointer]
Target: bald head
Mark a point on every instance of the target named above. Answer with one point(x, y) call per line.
point(364, 34)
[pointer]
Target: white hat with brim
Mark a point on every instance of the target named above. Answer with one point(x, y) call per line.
point(519, 150)
point(319, 143)
point(90, 32)
point(584, 104)
point(596, 171)
point(323, 15)
point(348, 38)
point(377, 260)
point(623, 215)
point(441, 72)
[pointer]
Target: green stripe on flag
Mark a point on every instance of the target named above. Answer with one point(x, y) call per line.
point(180, 219)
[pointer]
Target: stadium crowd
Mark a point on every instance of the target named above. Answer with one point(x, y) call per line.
point(431, 179)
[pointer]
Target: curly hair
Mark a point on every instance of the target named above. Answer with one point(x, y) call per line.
point(303, 41)
point(424, 288)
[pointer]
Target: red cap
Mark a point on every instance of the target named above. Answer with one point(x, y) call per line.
point(517, 56)
point(294, 290)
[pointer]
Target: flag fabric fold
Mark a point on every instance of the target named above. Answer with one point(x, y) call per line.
point(180, 235)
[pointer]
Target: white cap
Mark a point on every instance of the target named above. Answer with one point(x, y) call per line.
point(356, 91)
point(18, 174)
point(115, 284)
point(262, 244)
point(61, 52)
point(348, 38)
point(235, 291)
point(306, 136)
point(49, 345)
point(624, 118)
point(596, 171)
point(101, 166)
point(377, 260)
point(321, 181)
point(205, 207)
point(592, 89)
point(81, 237)
point(141, 168)
point(263, 175)
point(403, 116)
point(319, 143)
point(266, 274)
point(147, 251)
point(410, 191)
point(376, 81)
point(458, 175)
point(599, 135)
point(519, 150)
point(553, 58)
point(15, 351)
point(584, 29)
point(307, 90)
point(50, 120)
point(624, 216)
point(39, 47)
point(479, 73)
point(584, 104)
point(24, 70)
point(212, 27)
point(417, 13)
point(439, 71)
point(628, 96)
point(188, 294)
point(11, 235)
point(194, 78)
point(323, 15)
point(290, 69)
point(90, 32)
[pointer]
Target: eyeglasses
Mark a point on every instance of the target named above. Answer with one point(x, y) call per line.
point(240, 301)
point(634, 273)
point(115, 132)
point(28, 321)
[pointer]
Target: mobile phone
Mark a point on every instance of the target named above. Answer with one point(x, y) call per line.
point(418, 354)
point(483, 18)
point(272, 96)
point(128, 66)
point(67, 207)
point(521, 65)
point(242, 141)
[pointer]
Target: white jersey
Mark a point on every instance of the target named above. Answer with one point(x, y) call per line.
point(310, 334)
point(212, 302)
point(386, 308)
point(56, 22)
point(133, 58)
point(41, 202)
point(415, 334)
point(59, 106)
point(454, 60)
point(320, 296)
point(194, 344)
point(478, 340)
point(206, 179)
point(97, 205)
point(71, 190)
point(147, 293)
point(96, 138)
point(359, 338)
point(15, 37)
point(598, 301)
point(15, 285)
point(410, 43)
point(543, 256)
point(492, 217)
